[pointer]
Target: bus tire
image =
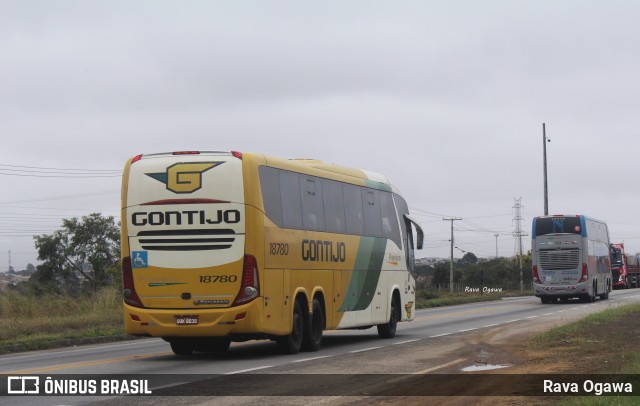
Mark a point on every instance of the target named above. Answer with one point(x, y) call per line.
point(182, 347)
point(545, 299)
point(313, 329)
point(388, 330)
point(292, 342)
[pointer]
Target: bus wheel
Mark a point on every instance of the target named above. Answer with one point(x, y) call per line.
point(292, 342)
point(388, 330)
point(313, 331)
point(545, 299)
point(182, 347)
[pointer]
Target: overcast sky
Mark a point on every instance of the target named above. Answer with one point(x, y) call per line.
point(446, 98)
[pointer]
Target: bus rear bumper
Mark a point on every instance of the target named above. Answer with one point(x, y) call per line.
point(225, 322)
point(561, 291)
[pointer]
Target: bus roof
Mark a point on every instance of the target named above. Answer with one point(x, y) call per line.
point(320, 168)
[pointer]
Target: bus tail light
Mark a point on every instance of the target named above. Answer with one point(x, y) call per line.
point(536, 277)
point(250, 288)
point(585, 273)
point(129, 291)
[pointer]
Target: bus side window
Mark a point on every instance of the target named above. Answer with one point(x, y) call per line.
point(291, 204)
point(270, 186)
point(333, 206)
point(312, 204)
point(372, 218)
point(353, 209)
point(390, 226)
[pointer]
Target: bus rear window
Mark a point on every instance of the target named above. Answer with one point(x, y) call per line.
point(558, 225)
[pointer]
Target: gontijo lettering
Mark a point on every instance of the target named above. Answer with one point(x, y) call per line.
point(323, 251)
point(189, 217)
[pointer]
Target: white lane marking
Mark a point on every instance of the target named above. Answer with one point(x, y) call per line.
point(249, 370)
point(548, 314)
point(531, 317)
point(312, 358)
point(363, 350)
point(441, 335)
point(468, 329)
point(406, 341)
point(490, 325)
point(512, 321)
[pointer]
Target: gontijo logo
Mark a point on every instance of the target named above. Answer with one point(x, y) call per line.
point(184, 177)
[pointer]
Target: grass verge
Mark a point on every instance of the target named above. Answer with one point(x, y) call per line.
point(601, 343)
point(30, 322)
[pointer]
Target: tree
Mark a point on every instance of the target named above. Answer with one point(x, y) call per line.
point(89, 247)
point(469, 258)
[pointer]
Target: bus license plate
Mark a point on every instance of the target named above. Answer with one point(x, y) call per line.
point(186, 320)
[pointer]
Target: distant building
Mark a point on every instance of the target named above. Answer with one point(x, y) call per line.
point(429, 261)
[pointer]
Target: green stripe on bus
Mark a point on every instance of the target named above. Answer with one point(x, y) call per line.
point(365, 275)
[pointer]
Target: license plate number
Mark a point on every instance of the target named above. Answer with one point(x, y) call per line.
point(186, 320)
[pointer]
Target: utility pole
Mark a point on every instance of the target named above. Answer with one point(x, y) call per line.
point(518, 233)
point(544, 154)
point(496, 235)
point(451, 219)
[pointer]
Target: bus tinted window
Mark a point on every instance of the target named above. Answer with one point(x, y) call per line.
point(390, 227)
point(333, 206)
point(312, 204)
point(270, 186)
point(372, 219)
point(353, 209)
point(291, 204)
point(558, 225)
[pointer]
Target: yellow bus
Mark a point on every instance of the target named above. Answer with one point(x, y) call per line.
point(229, 246)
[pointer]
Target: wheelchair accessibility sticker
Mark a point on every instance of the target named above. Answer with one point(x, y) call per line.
point(139, 259)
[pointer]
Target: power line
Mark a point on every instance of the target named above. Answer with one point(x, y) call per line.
point(59, 169)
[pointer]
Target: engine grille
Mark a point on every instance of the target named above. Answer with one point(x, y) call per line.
point(186, 240)
point(559, 259)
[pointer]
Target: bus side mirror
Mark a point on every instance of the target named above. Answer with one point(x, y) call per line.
point(419, 232)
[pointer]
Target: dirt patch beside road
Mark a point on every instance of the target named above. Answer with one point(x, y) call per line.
point(598, 350)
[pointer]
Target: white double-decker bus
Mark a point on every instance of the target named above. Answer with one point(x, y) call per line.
point(570, 258)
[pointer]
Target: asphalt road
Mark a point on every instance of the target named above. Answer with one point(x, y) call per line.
point(437, 341)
